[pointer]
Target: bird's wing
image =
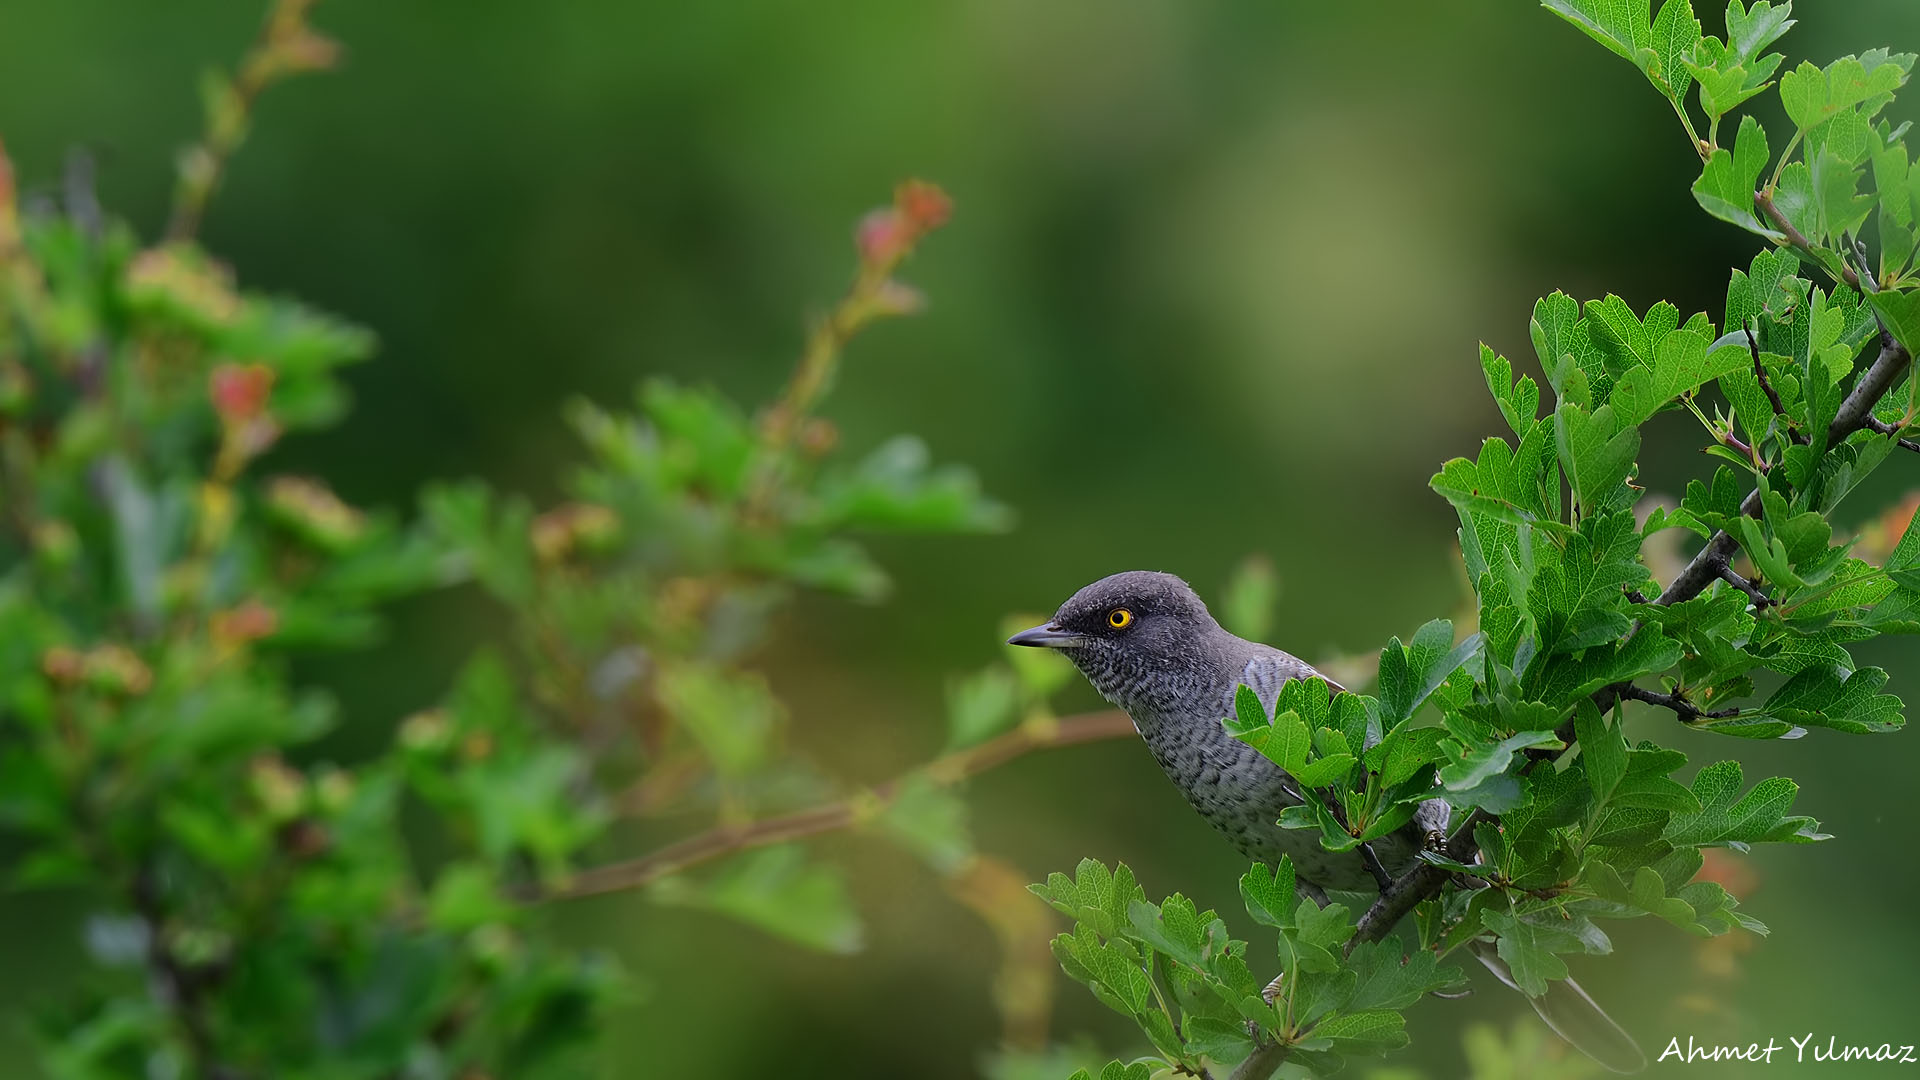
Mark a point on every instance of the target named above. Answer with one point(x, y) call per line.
point(1270, 669)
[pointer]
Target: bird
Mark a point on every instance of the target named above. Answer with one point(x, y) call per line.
point(1148, 644)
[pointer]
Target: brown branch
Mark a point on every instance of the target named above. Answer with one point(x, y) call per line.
point(1760, 372)
point(1415, 885)
point(1797, 239)
point(1263, 1062)
point(1881, 427)
point(842, 813)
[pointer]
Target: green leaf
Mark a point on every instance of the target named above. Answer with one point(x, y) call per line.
point(1727, 819)
point(1473, 765)
point(1624, 26)
point(1409, 674)
point(1387, 980)
point(1403, 753)
point(1269, 896)
point(1115, 1070)
point(1095, 895)
point(931, 821)
point(1597, 452)
point(1284, 740)
point(1659, 47)
point(1528, 950)
point(1829, 696)
point(1563, 341)
point(1324, 771)
point(1728, 182)
point(896, 488)
point(1317, 932)
point(465, 896)
point(1519, 401)
point(981, 706)
point(731, 713)
point(1602, 750)
point(777, 890)
point(1901, 310)
point(1173, 927)
point(1373, 1031)
point(1111, 969)
point(1750, 30)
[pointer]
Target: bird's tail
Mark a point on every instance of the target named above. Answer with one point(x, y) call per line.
point(1574, 1017)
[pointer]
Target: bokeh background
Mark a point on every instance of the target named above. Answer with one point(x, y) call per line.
point(1213, 287)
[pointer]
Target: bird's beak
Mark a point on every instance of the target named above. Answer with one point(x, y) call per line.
point(1048, 637)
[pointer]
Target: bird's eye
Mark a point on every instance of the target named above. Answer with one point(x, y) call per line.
point(1119, 618)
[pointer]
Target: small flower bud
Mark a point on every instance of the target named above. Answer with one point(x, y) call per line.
point(333, 790)
point(115, 669)
point(313, 509)
point(281, 791)
point(925, 205)
point(818, 437)
point(63, 665)
point(246, 623)
point(427, 731)
point(239, 391)
point(883, 236)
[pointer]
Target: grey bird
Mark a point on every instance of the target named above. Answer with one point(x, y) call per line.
point(1148, 644)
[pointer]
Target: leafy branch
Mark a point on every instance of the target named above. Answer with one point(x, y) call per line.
point(1039, 733)
point(1546, 841)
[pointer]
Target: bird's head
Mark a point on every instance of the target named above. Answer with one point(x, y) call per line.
point(1124, 630)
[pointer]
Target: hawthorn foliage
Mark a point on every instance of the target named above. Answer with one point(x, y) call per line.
point(1803, 387)
point(257, 908)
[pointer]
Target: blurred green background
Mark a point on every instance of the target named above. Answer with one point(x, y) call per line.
point(1213, 286)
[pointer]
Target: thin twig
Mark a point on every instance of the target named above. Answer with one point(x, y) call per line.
point(1881, 427)
point(1797, 239)
point(1760, 372)
point(842, 813)
point(1755, 595)
point(1686, 710)
point(1375, 867)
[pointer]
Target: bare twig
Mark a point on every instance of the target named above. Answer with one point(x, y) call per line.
point(1755, 595)
point(1760, 372)
point(840, 814)
point(1375, 867)
point(286, 46)
point(1686, 710)
point(1883, 428)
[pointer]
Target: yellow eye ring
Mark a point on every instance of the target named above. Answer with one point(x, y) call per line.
point(1119, 618)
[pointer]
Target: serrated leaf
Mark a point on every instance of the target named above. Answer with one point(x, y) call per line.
point(1387, 980)
point(1726, 818)
point(1831, 697)
point(1269, 895)
point(1728, 182)
point(1471, 766)
point(1410, 674)
point(1528, 951)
